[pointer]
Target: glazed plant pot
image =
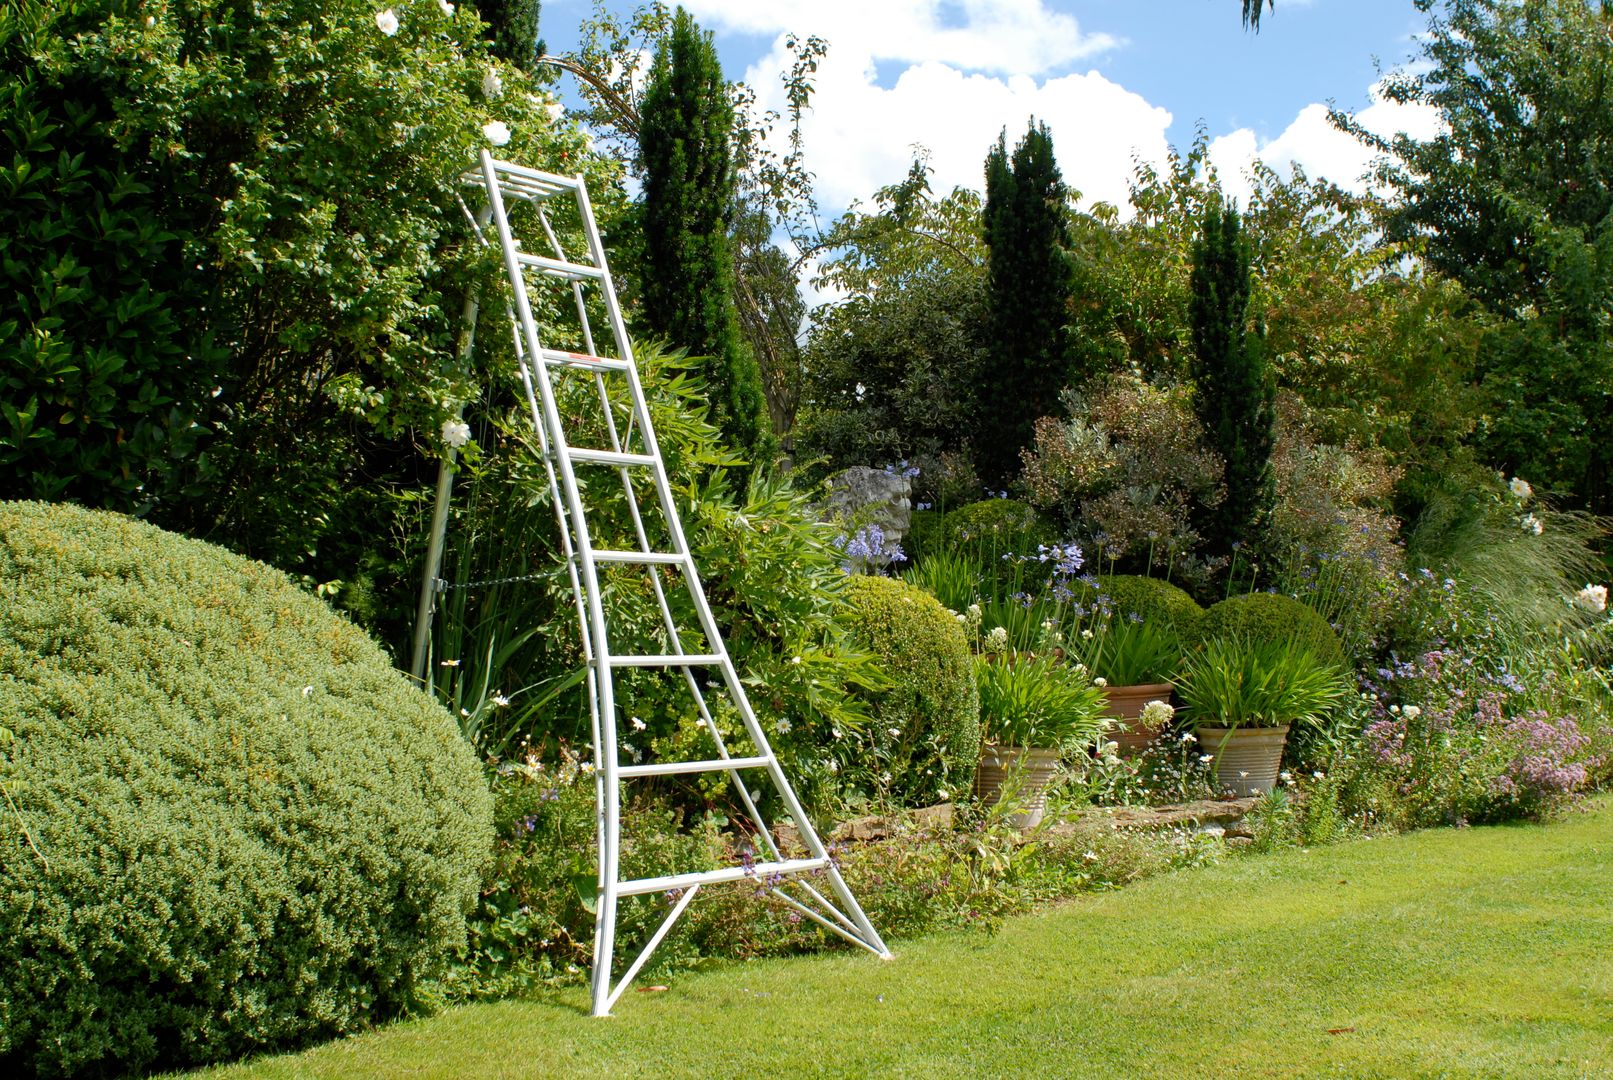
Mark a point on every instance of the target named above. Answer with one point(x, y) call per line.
point(1031, 767)
point(1247, 759)
point(1126, 706)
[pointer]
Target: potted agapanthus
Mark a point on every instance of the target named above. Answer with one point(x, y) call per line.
point(1033, 712)
point(1135, 663)
point(1243, 697)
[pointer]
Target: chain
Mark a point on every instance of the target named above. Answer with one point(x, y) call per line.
point(446, 586)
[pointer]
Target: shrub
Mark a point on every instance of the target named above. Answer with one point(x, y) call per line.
point(1271, 617)
point(925, 735)
point(1152, 600)
point(244, 828)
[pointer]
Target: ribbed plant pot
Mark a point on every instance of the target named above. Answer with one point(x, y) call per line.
point(999, 765)
point(1247, 759)
point(1126, 706)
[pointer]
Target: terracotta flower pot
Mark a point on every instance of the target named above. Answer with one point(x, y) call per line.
point(1126, 705)
point(1247, 759)
point(999, 763)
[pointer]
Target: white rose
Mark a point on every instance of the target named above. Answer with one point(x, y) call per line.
point(387, 22)
point(497, 132)
point(492, 85)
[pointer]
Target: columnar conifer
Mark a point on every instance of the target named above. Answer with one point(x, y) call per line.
point(1030, 293)
point(1235, 390)
point(688, 287)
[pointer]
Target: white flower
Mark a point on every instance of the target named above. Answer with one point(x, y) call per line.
point(492, 85)
point(387, 22)
point(307, 690)
point(587, 767)
point(795, 659)
point(962, 620)
point(1520, 487)
point(1285, 776)
point(1189, 737)
point(447, 8)
point(1206, 758)
point(455, 433)
point(896, 733)
point(1532, 524)
point(997, 639)
point(500, 700)
point(974, 611)
point(1100, 681)
point(497, 132)
point(554, 110)
point(1318, 776)
point(1086, 635)
point(1592, 598)
point(1411, 712)
point(884, 778)
point(784, 725)
point(943, 795)
point(1090, 856)
point(638, 725)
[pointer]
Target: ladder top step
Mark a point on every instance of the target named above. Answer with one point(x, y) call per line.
point(665, 558)
point(608, 457)
point(678, 660)
point(523, 182)
point(680, 768)
point(560, 267)
point(583, 360)
point(760, 871)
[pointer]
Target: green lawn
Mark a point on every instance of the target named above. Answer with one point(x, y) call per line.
point(1480, 952)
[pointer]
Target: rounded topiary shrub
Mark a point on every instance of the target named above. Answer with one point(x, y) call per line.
point(1154, 601)
point(997, 526)
point(926, 723)
point(237, 827)
point(1271, 617)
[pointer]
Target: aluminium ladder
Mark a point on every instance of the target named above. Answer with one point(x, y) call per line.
point(631, 451)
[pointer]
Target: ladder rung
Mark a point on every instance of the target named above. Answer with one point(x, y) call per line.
point(559, 267)
point(679, 768)
point(523, 179)
point(761, 871)
point(645, 557)
point(680, 660)
point(607, 457)
point(583, 360)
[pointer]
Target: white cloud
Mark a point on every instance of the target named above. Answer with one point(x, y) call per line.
point(1313, 143)
point(1003, 36)
point(966, 72)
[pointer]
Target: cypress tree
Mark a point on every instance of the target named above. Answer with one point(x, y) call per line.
point(512, 28)
point(1236, 393)
point(1029, 277)
point(688, 285)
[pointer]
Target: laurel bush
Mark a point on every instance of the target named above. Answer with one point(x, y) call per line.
point(231, 825)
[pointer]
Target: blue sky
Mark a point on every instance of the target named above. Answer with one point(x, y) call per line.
point(1114, 79)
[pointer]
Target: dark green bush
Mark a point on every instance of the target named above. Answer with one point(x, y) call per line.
point(236, 826)
point(925, 733)
point(1152, 600)
point(1263, 617)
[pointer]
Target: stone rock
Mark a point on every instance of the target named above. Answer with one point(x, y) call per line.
point(871, 497)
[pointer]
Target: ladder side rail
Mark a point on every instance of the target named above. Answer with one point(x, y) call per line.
point(650, 946)
point(608, 817)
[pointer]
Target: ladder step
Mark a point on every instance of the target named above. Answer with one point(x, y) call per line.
point(560, 358)
point(680, 660)
point(679, 768)
point(608, 457)
point(560, 268)
point(646, 557)
point(760, 871)
point(522, 181)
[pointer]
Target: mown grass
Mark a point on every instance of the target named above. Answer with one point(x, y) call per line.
point(1473, 953)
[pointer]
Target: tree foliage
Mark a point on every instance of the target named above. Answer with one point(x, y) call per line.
point(1513, 199)
point(1029, 299)
point(1235, 396)
point(512, 27)
point(687, 288)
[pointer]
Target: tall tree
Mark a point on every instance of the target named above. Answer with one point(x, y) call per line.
point(1251, 13)
point(1236, 394)
point(1029, 299)
point(688, 287)
point(512, 30)
point(1513, 198)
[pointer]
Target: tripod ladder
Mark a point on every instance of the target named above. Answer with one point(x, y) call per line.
point(632, 454)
